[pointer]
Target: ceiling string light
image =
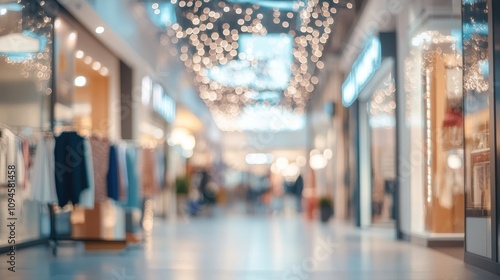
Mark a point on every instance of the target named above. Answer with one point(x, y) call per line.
point(242, 52)
point(38, 24)
point(382, 101)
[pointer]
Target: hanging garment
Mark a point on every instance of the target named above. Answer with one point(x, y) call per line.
point(20, 165)
point(134, 193)
point(23, 169)
point(87, 197)
point(100, 160)
point(70, 168)
point(112, 176)
point(4, 148)
point(8, 153)
point(148, 173)
point(121, 151)
point(43, 184)
point(26, 163)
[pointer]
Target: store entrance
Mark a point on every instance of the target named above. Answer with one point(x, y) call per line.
point(377, 128)
point(382, 126)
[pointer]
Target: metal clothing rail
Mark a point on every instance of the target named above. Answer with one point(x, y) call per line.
point(53, 239)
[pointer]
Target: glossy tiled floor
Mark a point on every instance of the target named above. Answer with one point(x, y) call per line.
point(249, 248)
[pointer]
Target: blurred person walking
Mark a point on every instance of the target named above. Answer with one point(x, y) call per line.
point(299, 187)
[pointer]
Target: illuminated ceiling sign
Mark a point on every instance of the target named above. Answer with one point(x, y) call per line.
point(251, 52)
point(162, 14)
point(265, 118)
point(153, 93)
point(21, 46)
point(163, 104)
point(363, 69)
point(283, 5)
point(264, 63)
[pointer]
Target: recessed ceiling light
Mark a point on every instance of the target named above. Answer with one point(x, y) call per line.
point(96, 66)
point(80, 81)
point(104, 71)
point(88, 60)
point(3, 11)
point(72, 36)
point(79, 54)
point(99, 30)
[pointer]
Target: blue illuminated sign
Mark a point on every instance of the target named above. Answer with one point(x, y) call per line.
point(154, 95)
point(362, 71)
point(163, 104)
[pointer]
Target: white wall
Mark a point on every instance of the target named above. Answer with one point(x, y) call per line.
point(404, 162)
point(130, 35)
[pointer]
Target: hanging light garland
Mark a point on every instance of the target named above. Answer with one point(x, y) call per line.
point(382, 101)
point(37, 24)
point(221, 43)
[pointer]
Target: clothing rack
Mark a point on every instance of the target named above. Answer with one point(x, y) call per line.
point(54, 239)
point(15, 130)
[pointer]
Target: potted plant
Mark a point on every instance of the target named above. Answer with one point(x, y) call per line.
point(182, 190)
point(325, 208)
point(181, 185)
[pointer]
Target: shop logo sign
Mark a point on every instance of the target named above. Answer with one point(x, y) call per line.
point(363, 69)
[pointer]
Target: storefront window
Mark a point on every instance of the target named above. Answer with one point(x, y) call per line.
point(25, 64)
point(434, 86)
point(382, 121)
point(26, 33)
point(87, 82)
point(477, 94)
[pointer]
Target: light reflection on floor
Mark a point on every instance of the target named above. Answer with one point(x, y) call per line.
point(249, 247)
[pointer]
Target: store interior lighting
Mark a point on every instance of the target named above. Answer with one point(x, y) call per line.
point(94, 64)
point(152, 130)
point(291, 171)
point(301, 161)
point(318, 161)
point(263, 46)
point(99, 30)
point(328, 154)
point(184, 139)
point(80, 81)
point(282, 163)
point(455, 161)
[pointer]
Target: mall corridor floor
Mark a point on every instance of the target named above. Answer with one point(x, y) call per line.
point(249, 248)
